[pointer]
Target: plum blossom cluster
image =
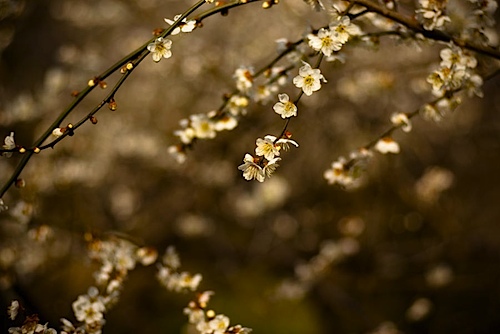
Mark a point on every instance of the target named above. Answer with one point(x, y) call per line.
point(208, 321)
point(207, 125)
point(30, 325)
point(184, 26)
point(204, 321)
point(330, 253)
point(309, 79)
point(331, 39)
point(116, 257)
point(347, 173)
point(173, 280)
point(456, 72)
point(267, 153)
point(480, 25)
point(432, 14)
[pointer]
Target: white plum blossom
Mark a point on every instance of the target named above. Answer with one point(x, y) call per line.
point(283, 143)
point(219, 324)
point(244, 79)
point(184, 25)
point(402, 120)
point(284, 107)
point(267, 148)
point(456, 72)
point(387, 145)
point(57, 132)
point(195, 316)
point(237, 105)
point(160, 48)
point(178, 153)
point(88, 309)
point(325, 41)
point(251, 170)
point(309, 79)
point(203, 126)
point(343, 29)
point(270, 166)
point(455, 57)
point(338, 173)
point(13, 309)
point(228, 122)
point(9, 144)
point(433, 13)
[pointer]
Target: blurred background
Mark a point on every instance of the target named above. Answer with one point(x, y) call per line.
point(415, 249)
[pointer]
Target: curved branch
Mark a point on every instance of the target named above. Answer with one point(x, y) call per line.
point(413, 24)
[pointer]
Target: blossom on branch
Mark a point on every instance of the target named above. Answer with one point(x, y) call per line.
point(183, 26)
point(325, 41)
point(284, 107)
point(9, 144)
point(251, 169)
point(387, 145)
point(309, 79)
point(160, 48)
point(433, 13)
point(401, 120)
point(267, 148)
point(344, 29)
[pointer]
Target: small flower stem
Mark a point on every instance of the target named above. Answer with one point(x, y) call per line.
point(297, 99)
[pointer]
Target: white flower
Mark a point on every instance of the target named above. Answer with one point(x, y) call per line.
point(264, 93)
point(387, 145)
point(186, 135)
point(13, 309)
point(219, 324)
point(227, 122)
point(202, 125)
point(309, 79)
point(270, 166)
point(432, 12)
point(160, 48)
point(237, 104)
point(184, 25)
point(251, 170)
point(57, 132)
point(455, 57)
point(178, 153)
point(9, 144)
point(188, 281)
point(338, 173)
point(401, 119)
point(284, 107)
point(284, 143)
point(195, 315)
point(267, 148)
point(430, 112)
point(171, 258)
point(146, 255)
point(325, 41)
point(344, 29)
point(88, 310)
point(244, 79)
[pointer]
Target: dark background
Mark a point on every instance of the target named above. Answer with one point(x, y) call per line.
point(117, 178)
